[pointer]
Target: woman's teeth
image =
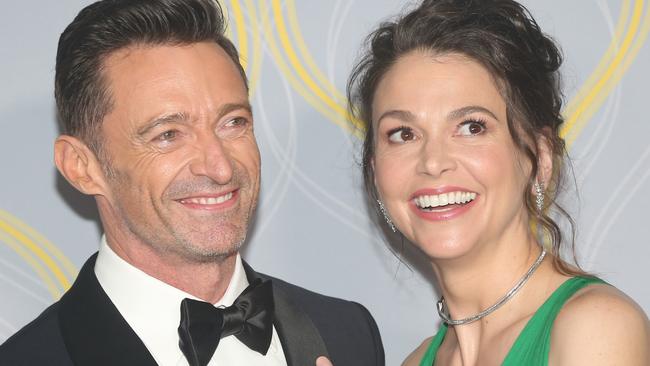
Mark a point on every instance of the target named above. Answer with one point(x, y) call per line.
point(444, 199)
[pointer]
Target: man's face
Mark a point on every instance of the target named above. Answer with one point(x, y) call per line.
point(180, 142)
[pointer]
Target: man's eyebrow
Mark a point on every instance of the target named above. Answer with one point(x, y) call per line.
point(230, 107)
point(182, 117)
point(162, 120)
point(464, 111)
point(401, 115)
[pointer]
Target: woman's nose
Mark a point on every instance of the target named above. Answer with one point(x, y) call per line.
point(435, 158)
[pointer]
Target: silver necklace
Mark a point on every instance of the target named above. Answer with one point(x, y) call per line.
point(444, 314)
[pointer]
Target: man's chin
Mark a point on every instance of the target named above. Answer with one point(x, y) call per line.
point(210, 257)
point(211, 252)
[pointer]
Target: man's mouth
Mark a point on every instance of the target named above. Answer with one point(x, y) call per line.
point(207, 200)
point(436, 202)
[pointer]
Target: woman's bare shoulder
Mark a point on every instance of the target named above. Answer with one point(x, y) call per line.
point(600, 325)
point(416, 356)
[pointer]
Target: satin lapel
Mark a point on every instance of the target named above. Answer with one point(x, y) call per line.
point(301, 341)
point(93, 330)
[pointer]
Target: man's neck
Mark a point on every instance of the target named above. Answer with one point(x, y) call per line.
point(207, 280)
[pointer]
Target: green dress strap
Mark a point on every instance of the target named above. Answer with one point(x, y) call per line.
point(430, 355)
point(532, 346)
point(534, 342)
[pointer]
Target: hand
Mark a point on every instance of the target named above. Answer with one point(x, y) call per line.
point(323, 361)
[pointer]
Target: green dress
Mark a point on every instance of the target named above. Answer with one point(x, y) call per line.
point(532, 346)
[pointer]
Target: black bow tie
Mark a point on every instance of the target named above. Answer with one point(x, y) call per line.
point(250, 319)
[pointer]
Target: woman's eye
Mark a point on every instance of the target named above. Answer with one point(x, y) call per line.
point(471, 128)
point(401, 135)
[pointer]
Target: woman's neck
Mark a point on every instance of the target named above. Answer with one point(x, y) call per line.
point(479, 279)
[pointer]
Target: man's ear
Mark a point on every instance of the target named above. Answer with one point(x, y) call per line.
point(544, 160)
point(79, 165)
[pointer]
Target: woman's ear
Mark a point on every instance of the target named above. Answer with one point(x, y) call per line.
point(544, 160)
point(372, 167)
point(79, 165)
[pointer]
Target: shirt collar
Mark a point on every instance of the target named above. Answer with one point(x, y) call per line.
point(150, 306)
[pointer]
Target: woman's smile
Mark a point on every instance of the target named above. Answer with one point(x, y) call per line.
point(442, 203)
point(446, 166)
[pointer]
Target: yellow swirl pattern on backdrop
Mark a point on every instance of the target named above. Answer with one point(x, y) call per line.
point(591, 97)
point(610, 70)
point(258, 54)
point(49, 263)
point(306, 55)
point(29, 259)
point(251, 61)
point(294, 81)
point(242, 38)
point(612, 49)
point(333, 107)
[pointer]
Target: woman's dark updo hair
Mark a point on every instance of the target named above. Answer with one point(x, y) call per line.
point(503, 37)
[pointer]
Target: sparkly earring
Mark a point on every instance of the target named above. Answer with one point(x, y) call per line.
point(386, 217)
point(539, 196)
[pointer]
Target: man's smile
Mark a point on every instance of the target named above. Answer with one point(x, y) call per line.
point(210, 201)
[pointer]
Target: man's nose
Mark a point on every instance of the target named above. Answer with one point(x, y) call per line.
point(213, 160)
point(435, 158)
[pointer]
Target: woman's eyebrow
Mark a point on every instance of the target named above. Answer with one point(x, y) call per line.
point(399, 114)
point(464, 111)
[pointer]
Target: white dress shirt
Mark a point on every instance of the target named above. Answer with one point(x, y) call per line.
point(152, 309)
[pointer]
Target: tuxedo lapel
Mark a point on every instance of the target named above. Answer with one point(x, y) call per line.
point(94, 331)
point(301, 341)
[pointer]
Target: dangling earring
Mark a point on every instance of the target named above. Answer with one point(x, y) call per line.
point(386, 217)
point(539, 196)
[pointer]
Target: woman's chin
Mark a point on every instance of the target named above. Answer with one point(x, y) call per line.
point(441, 250)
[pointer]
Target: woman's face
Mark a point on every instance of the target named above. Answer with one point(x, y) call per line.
point(445, 164)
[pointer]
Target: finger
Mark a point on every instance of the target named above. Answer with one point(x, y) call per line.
point(323, 361)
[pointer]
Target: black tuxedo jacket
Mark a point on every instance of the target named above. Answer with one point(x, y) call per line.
point(84, 328)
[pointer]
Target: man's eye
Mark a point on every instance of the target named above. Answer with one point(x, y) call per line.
point(471, 128)
point(167, 135)
point(237, 122)
point(401, 135)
